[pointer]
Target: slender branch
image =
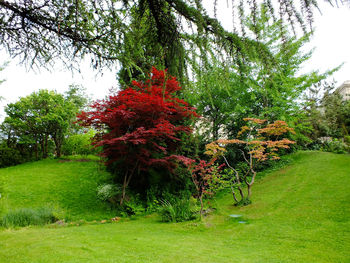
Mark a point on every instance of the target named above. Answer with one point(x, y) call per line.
point(45, 22)
point(243, 154)
point(233, 194)
point(132, 172)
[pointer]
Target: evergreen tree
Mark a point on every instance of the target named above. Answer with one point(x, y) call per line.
point(41, 31)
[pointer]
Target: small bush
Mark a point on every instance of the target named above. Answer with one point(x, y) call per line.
point(336, 146)
point(314, 146)
point(178, 210)
point(108, 192)
point(132, 207)
point(79, 144)
point(347, 139)
point(27, 216)
point(9, 156)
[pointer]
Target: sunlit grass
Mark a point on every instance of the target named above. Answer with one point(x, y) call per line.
point(68, 187)
point(299, 214)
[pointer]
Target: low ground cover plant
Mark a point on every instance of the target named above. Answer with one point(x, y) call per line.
point(28, 216)
point(335, 145)
point(178, 210)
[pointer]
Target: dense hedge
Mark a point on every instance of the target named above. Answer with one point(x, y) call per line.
point(10, 156)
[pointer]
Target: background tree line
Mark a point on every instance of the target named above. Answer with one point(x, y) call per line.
point(42, 124)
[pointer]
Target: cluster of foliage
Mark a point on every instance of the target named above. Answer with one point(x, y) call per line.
point(38, 124)
point(258, 142)
point(140, 127)
point(108, 30)
point(205, 177)
point(328, 115)
point(10, 156)
point(224, 93)
point(79, 144)
point(178, 210)
point(334, 145)
point(108, 192)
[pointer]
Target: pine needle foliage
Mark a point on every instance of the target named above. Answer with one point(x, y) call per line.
point(40, 32)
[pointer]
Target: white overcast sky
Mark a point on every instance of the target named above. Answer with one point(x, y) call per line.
point(331, 42)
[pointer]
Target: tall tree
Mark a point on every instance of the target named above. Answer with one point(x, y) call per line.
point(329, 115)
point(42, 31)
point(41, 116)
point(226, 92)
point(140, 127)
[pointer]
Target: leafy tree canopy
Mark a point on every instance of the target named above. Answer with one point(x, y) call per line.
point(225, 92)
point(41, 116)
point(140, 127)
point(41, 31)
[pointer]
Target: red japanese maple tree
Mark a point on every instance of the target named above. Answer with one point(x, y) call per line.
point(141, 125)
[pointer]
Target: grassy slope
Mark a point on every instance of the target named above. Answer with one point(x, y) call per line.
point(299, 214)
point(68, 187)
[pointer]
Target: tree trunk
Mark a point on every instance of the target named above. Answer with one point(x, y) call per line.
point(238, 182)
point(126, 182)
point(241, 192)
point(234, 195)
point(249, 185)
point(124, 188)
point(201, 200)
point(58, 144)
point(249, 189)
point(44, 146)
point(58, 151)
point(36, 151)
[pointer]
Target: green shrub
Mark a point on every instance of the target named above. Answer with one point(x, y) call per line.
point(178, 210)
point(336, 146)
point(79, 144)
point(9, 156)
point(112, 193)
point(108, 192)
point(244, 202)
point(27, 216)
point(132, 207)
point(314, 146)
point(347, 139)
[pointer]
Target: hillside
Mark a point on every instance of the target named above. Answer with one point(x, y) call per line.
point(67, 186)
point(299, 214)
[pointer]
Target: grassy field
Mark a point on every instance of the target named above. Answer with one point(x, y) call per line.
point(67, 186)
point(299, 214)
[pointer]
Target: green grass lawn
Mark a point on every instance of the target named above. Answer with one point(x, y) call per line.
point(69, 187)
point(299, 214)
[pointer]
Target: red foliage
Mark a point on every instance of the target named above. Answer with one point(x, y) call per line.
point(140, 126)
point(201, 173)
point(204, 176)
